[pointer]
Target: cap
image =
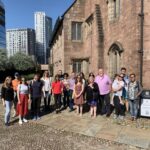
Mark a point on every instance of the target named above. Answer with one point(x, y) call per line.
point(16, 74)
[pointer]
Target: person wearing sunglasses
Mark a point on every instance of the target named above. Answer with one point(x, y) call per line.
point(117, 87)
point(23, 100)
point(134, 91)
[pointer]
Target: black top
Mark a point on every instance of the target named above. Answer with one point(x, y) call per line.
point(92, 93)
point(7, 93)
point(36, 88)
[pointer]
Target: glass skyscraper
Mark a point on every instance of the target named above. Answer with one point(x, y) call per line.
point(2, 27)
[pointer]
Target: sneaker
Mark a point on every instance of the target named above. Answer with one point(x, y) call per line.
point(38, 118)
point(121, 117)
point(20, 122)
point(6, 124)
point(115, 116)
point(25, 120)
point(34, 118)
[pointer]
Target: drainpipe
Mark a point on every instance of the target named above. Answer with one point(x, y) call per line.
point(141, 51)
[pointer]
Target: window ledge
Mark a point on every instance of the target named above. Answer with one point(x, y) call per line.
point(114, 20)
point(77, 41)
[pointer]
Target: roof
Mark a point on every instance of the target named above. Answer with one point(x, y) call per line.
point(58, 24)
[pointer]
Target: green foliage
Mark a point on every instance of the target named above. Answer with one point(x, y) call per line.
point(29, 76)
point(3, 60)
point(22, 62)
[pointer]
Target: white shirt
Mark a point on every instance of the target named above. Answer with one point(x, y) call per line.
point(116, 85)
point(47, 84)
point(23, 89)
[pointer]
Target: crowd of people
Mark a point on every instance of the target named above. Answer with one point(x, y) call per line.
point(99, 94)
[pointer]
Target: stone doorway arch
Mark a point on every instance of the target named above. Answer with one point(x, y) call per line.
point(115, 58)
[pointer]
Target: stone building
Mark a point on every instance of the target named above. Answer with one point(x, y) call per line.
point(102, 33)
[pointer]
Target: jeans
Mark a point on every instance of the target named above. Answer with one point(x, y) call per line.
point(36, 102)
point(47, 99)
point(71, 101)
point(119, 110)
point(105, 104)
point(7, 111)
point(66, 98)
point(134, 104)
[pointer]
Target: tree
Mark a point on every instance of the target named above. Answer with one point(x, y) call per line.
point(22, 62)
point(3, 60)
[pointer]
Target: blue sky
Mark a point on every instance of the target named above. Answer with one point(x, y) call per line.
point(20, 13)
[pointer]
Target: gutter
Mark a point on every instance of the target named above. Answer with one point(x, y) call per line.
point(141, 51)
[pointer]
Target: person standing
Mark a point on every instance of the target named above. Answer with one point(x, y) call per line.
point(104, 84)
point(134, 91)
point(78, 95)
point(60, 74)
point(7, 98)
point(23, 100)
point(125, 88)
point(117, 89)
point(57, 89)
point(15, 84)
point(92, 95)
point(71, 88)
point(37, 90)
point(47, 90)
point(66, 90)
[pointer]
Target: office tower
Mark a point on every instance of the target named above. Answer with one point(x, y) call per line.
point(43, 30)
point(20, 40)
point(2, 27)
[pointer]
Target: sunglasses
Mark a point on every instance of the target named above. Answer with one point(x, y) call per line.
point(132, 77)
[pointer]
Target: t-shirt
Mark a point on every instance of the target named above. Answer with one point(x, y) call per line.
point(47, 84)
point(116, 85)
point(104, 83)
point(23, 89)
point(36, 88)
point(15, 84)
point(57, 87)
point(71, 83)
point(7, 93)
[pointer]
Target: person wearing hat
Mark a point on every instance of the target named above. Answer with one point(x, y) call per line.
point(15, 84)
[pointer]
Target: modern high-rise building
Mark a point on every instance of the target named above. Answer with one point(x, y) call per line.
point(43, 31)
point(20, 40)
point(2, 27)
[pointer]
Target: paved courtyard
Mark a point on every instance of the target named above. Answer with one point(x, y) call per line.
point(67, 131)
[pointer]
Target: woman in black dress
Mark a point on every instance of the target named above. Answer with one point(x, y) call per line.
point(92, 93)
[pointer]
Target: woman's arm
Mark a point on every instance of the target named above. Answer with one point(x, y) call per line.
point(18, 93)
point(81, 90)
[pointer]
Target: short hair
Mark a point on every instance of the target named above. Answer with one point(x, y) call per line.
point(132, 74)
point(91, 74)
point(123, 68)
point(66, 74)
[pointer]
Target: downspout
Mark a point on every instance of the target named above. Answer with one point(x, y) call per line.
point(141, 51)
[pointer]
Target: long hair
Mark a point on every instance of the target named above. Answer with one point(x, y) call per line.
point(25, 82)
point(44, 74)
point(6, 84)
point(76, 80)
point(56, 76)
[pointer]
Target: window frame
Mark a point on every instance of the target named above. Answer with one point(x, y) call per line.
point(75, 36)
